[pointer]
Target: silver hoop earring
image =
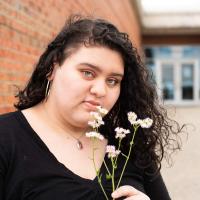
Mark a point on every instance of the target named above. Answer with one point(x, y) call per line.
point(47, 89)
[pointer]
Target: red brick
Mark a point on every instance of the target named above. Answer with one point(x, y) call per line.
point(7, 100)
point(7, 88)
point(6, 109)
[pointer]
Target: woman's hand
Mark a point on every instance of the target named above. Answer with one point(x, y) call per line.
point(130, 193)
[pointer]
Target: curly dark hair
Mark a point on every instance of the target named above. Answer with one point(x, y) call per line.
point(138, 93)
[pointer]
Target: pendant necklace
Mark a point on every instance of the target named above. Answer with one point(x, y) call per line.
point(79, 144)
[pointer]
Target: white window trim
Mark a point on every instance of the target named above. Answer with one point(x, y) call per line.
point(177, 74)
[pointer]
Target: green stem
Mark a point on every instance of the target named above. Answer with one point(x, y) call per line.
point(99, 180)
point(98, 172)
point(124, 155)
point(130, 148)
point(113, 174)
point(118, 149)
point(106, 167)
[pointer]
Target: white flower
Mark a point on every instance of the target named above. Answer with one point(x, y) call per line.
point(146, 123)
point(132, 118)
point(101, 110)
point(121, 133)
point(137, 122)
point(96, 115)
point(96, 124)
point(95, 135)
point(110, 149)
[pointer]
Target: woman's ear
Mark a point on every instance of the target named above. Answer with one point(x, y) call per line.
point(51, 75)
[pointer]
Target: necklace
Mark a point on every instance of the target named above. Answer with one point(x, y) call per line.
point(79, 144)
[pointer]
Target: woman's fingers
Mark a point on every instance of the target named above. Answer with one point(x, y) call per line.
point(125, 190)
point(130, 192)
point(138, 197)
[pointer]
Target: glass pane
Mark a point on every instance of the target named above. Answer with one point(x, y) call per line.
point(191, 51)
point(165, 52)
point(168, 81)
point(151, 68)
point(149, 52)
point(150, 62)
point(187, 81)
point(199, 81)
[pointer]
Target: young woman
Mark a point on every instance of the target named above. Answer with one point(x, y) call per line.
point(44, 153)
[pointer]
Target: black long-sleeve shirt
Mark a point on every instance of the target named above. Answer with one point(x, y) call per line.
point(29, 171)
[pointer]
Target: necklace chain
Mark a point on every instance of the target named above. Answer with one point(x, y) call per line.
point(79, 144)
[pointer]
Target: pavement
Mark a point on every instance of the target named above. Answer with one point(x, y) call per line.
point(183, 178)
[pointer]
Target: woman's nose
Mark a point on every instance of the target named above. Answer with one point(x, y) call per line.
point(98, 89)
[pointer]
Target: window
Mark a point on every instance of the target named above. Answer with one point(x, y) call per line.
point(176, 72)
point(187, 84)
point(167, 81)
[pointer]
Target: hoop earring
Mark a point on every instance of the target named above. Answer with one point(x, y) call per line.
point(47, 90)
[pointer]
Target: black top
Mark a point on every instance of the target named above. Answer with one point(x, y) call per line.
point(28, 170)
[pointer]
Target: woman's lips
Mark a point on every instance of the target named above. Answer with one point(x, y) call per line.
point(92, 106)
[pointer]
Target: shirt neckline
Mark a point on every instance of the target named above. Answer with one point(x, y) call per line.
point(24, 122)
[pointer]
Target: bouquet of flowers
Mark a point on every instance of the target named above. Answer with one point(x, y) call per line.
point(111, 150)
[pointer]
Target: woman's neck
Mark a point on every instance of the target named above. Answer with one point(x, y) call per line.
point(55, 121)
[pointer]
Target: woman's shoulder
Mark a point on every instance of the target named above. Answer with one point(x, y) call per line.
point(5, 116)
point(7, 120)
point(7, 132)
point(9, 125)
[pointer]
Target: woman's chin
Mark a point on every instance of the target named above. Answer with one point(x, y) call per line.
point(82, 123)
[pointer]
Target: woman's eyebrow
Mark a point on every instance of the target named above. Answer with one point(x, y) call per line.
point(92, 66)
point(99, 70)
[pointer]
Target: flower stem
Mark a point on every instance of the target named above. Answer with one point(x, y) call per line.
point(98, 172)
point(99, 180)
point(130, 148)
point(106, 167)
point(124, 155)
point(113, 174)
point(118, 149)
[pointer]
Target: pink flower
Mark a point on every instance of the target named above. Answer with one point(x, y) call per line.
point(121, 133)
point(94, 135)
point(110, 149)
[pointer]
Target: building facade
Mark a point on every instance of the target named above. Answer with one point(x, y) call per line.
point(176, 71)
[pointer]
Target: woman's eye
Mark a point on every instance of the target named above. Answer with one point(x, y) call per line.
point(88, 74)
point(113, 82)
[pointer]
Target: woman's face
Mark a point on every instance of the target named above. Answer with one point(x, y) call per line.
point(89, 77)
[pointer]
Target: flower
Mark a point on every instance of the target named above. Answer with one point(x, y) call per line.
point(132, 118)
point(121, 133)
point(94, 135)
point(113, 153)
point(97, 122)
point(137, 122)
point(146, 123)
point(101, 110)
point(96, 115)
point(110, 149)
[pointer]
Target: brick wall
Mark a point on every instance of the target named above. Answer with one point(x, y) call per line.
point(26, 27)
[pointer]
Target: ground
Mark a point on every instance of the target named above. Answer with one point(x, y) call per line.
point(183, 178)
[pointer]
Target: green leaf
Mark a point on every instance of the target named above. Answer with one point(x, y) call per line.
point(108, 176)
